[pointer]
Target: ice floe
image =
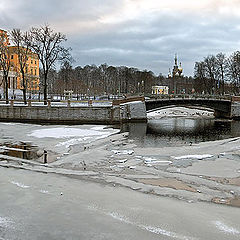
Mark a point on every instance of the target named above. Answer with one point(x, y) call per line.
point(21, 185)
point(199, 157)
point(123, 152)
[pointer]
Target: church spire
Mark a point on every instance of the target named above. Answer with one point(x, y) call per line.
point(175, 59)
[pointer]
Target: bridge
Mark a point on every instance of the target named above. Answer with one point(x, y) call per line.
point(223, 106)
point(132, 109)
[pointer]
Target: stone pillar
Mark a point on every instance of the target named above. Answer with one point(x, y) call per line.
point(133, 111)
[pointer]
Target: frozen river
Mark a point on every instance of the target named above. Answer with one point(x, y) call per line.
point(46, 206)
point(102, 184)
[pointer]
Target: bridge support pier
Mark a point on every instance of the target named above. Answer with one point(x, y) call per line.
point(221, 114)
point(133, 111)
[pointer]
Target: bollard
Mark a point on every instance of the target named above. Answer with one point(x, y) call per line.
point(11, 103)
point(29, 103)
point(49, 103)
point(90, 102)
point(69, 103)
point(45, 156)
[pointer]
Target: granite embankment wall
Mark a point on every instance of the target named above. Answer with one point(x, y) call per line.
point(130, 111)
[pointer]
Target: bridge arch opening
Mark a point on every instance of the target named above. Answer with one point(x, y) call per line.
point(197, 107)
point(221, 107)
point(180, 111)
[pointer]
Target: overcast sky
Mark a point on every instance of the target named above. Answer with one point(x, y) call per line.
point(144, 34)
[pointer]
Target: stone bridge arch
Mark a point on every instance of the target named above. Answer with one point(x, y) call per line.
point(221, 107)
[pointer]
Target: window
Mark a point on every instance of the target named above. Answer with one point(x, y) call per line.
point(11, 56)
point(31, 61)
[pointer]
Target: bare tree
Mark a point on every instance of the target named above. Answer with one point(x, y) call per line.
point(233, 68)
point(4, 63)
point(47, 44)
point(21, 40)
point(221, 69)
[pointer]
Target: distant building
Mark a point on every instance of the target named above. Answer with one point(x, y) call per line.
point(178, 84)
point(177, 70)
point(158, 90)
point(15, 77)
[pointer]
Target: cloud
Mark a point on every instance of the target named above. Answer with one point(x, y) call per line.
point(139, 33)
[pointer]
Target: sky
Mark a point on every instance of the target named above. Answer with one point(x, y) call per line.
point(144, 34)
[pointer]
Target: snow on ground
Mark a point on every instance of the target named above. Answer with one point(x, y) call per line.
point(179, 112)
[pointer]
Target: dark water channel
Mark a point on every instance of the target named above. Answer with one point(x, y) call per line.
point(180, 131)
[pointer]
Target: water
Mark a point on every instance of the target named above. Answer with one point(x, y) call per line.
point(179, 131)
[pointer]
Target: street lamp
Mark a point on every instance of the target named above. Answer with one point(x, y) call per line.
point(138, 88)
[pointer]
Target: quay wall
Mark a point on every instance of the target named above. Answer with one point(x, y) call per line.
point(75, 115)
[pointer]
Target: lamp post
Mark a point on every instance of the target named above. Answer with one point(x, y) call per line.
point(143, 90)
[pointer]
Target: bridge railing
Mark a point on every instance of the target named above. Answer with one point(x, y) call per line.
point(60, 103)
point(192, 96)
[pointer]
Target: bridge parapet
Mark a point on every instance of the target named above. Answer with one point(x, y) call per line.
point(128, 100)
point(190, 96)
point(235, 99)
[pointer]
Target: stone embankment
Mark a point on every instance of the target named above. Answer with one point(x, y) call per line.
point(118, 111)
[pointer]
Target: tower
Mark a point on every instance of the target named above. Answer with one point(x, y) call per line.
point(177, 71)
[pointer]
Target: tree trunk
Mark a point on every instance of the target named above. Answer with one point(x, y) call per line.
point(45, 89)
point(24, 90)
point(6, 89)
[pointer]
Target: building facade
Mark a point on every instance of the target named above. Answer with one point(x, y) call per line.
point(160, 90)
point(31, 71)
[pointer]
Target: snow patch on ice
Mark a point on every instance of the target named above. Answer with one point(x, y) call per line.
point(5, 222)
point(199, 157)
point(123, 152)
point(98, 128)
point(65, 132)
point(149, 159)
point(158, 162)
point(71, 142)
point(43, 191)
point(20, 184)
point(222, 227)
point(155, 230)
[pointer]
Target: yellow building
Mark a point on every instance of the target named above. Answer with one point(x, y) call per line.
point(31, 70)
point(4, 37)
point(160, 90)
